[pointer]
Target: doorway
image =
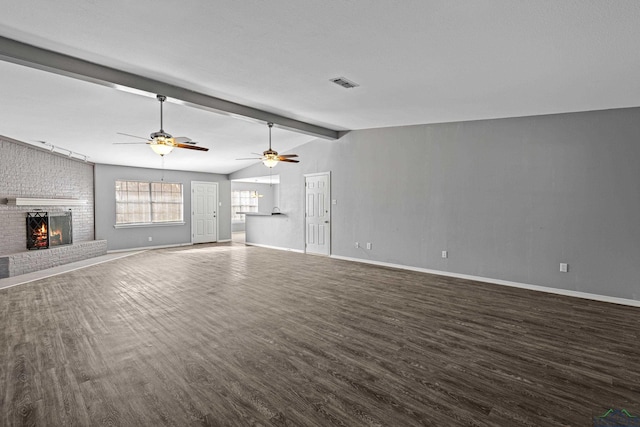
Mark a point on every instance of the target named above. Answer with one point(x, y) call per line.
point(204, 212)
point(318, 213)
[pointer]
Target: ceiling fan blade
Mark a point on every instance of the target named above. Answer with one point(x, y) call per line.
point(129, 143)
point(289, 160)
point(183, 140)
point(257, 154)
point(133, 136)
point(250, 158)
point(191, 147)
point(286, 156)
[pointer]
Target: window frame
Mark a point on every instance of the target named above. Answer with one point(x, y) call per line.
point(246, 207)
point(146, 199)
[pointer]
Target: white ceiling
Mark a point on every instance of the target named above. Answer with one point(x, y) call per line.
point(417, 61)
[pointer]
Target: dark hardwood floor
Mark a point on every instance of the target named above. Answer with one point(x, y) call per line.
point(233, 335)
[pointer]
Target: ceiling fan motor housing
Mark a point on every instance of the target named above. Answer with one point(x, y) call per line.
point(160, 136)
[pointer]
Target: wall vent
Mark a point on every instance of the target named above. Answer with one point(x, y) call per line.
point(348, 84)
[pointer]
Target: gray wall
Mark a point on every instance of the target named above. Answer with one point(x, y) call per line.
point(138, 237)
point(27, 171)
point(509, 199)
point(287, 230)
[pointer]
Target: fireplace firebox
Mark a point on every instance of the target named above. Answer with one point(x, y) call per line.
point(44, 230)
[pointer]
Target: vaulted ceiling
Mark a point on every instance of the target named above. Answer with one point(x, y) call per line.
point(416, 61)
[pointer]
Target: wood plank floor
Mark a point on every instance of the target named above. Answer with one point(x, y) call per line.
point(233, 335)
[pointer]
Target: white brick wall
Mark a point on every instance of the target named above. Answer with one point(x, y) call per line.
point(27, 171)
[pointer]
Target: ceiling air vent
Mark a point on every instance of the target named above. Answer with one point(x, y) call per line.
point(348, 84)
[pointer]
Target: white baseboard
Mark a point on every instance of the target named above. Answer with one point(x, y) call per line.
point(565, 292)
point(144, 248)
point(274, 247)
point(162, 246)
point(60, 269)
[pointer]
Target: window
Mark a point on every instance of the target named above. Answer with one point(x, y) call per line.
point(140, 202)
point(243, 201)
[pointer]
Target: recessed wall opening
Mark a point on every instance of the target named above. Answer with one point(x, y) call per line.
point(258, 195)
point(45, 230)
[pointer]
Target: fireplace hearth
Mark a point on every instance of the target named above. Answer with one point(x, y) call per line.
point(44, 230)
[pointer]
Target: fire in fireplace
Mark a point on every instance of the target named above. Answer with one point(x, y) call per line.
point(44, 230)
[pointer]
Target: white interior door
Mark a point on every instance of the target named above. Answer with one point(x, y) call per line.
point(318, 213)
point(204, 212)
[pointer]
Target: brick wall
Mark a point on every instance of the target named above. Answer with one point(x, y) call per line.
point(30, 261)
point(27, 171)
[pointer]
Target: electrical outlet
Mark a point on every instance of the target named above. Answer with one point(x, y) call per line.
point(357, 245)
point(150, 239)
point(445, 254)
point(564, 268)
point(369, 246)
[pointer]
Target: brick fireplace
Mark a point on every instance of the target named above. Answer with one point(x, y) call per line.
point(38, 175)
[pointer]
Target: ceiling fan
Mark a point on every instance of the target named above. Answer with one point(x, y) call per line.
point(163, 143)
point(270, 158)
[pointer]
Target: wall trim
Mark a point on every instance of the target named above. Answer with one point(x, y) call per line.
point(144, 248)
point(564, 292)
point(274, 247)
point(60, 269)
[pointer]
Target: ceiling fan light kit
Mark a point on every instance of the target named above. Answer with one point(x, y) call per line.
point(159, 147)
point(270, 160)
